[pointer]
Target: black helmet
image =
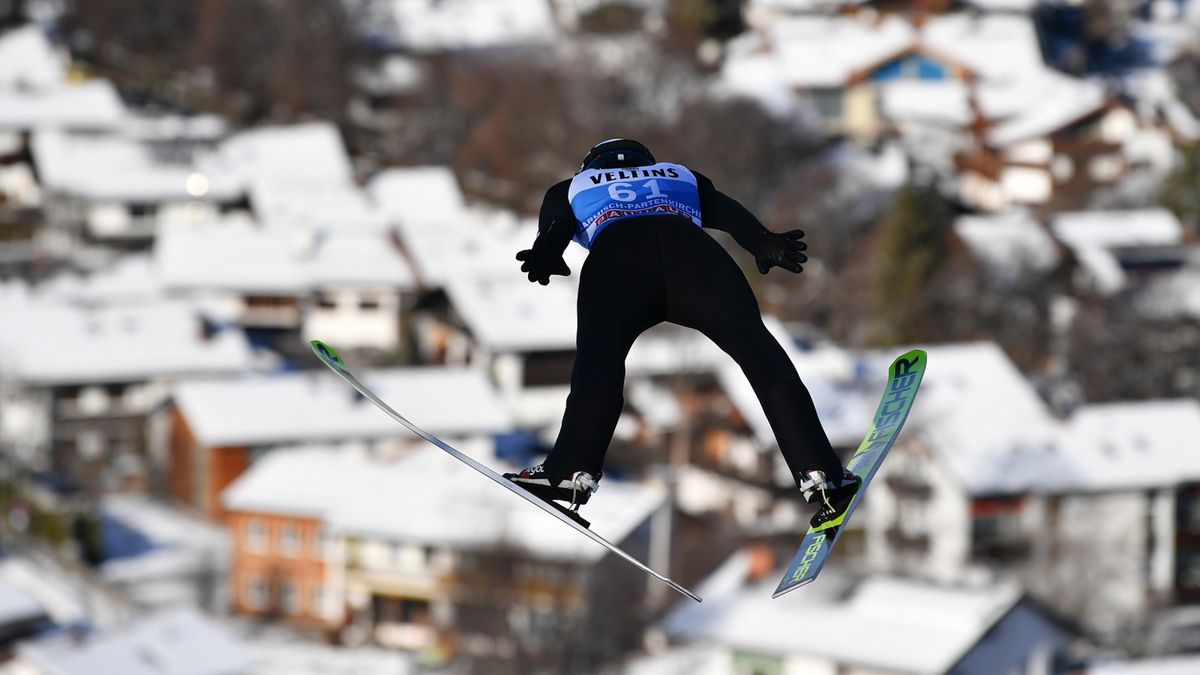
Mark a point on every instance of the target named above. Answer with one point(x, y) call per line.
point(617, 153)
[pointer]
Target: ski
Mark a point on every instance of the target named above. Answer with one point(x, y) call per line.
point(329, 356)
point(904, 378)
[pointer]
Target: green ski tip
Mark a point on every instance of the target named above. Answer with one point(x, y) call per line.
point(327, 353)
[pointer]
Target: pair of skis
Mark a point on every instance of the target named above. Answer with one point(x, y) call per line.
point(903, 381)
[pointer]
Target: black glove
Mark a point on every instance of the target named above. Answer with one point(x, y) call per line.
point(781, 249)
point(541, 263)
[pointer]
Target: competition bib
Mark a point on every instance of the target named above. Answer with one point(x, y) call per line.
point(600, 197)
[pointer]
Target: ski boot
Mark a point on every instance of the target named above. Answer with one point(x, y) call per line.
point(832, 497)
point(576, 489)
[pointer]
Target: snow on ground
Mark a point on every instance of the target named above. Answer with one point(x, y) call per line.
point(180, 641)
point(1175, 665)
point(294, 658)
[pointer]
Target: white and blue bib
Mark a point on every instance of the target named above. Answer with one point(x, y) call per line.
point(600, 197)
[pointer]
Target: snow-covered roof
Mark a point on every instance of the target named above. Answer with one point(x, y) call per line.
point(511, 314)
point(179, 642)
point(896, 613)
point(1037, 106)
point(28, 61)
point(56, 343)
point(1118, 229)
point(811, 51)
point(311, 407)
point(419, 195)
point(130, 278)
point(944, 102)
point(310, 153)
point(450, 504)
point(1011, 242)
point(335, 207)
point(277, 260)
point(971, 387)
point(424, 26)
point(17, 606)
point(54, 595)
point(1172, 294)
point(995, 47)
point(88, 106)
point(182, 546)
point(826, 51)
point(117, 168)
point(1125, 446)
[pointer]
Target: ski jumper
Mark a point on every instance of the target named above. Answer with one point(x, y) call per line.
point(650, 262)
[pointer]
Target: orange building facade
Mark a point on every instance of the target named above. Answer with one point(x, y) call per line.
point(279, 569)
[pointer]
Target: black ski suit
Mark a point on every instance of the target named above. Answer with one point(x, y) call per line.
point(648, 269)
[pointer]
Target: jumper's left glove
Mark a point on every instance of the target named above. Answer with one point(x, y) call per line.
point(782, 249)
point(540, 263)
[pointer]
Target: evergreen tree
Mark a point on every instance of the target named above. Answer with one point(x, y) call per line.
point(913, 244)
point(1180, 192)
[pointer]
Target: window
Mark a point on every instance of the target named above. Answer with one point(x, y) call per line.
point(289, 541)
point(828, 103)
point(289, 599)
point(387, 609)
point(256, 593)
point(316, 600)
point(326, 302)
point(368, 304)
point(256, 536)
point(756, 664)
point(548, 368)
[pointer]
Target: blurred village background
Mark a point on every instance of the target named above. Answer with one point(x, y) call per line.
point(192, 189)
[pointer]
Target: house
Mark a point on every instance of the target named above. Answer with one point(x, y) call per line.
point(1010, 246)
point(432, 26)
point(420, 551)
point(870, 623)
point(79, 383)
point(219, 428)
point(1119, 249)
point(346, 288)
point(985, 483)
point(35, 94)
point(116, 190)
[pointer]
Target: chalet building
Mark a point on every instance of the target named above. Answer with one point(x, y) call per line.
point(285, 287)
point(80, 385)
point(218, 429)
point(395, 550)
point(1036, 499)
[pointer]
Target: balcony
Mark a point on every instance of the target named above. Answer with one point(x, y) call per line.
point(908, 487)
point(908, 542)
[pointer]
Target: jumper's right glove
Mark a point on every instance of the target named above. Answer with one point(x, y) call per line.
point(782, 249)
point(540, 263)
